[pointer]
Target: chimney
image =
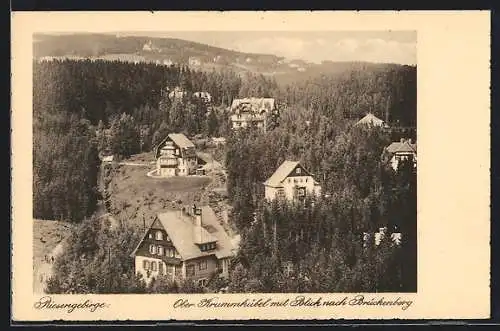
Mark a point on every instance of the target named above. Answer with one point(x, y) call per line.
point(197, 216)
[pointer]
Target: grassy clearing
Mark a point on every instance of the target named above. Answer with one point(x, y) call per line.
point(141, 158)
point(135, 196)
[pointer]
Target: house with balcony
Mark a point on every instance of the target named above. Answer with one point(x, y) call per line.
point(175, 156)
point(401, 150)
point(291, 181)
point(184, 244)
point(252, 112)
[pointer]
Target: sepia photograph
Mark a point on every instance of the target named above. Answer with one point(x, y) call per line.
point(250, 166)
point(225, 162)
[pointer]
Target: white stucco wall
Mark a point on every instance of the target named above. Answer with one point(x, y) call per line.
point(289, 185)
point(184, 168)
point(395, 159)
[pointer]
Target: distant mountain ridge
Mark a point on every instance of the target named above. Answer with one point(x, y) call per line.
point(170, 51)
point(155, 48)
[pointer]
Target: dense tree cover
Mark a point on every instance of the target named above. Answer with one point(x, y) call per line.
point(65, 167)
point(364, 193)
point(96, 260)
point(83, 107)
point(388, 91)
point(132, 100)
point(105, 88)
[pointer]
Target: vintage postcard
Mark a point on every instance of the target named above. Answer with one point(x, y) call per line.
point(250, 165)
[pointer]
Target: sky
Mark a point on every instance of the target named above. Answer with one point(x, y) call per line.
point(371, 46)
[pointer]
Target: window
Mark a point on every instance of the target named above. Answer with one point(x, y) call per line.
point(171, 252)
point(152, 249)
point(203, 282)
point(289, 180)
point(145, 265)
point(306, 180)
point(297, 171)
point(159, 235)
point(202, 265)
point(190, 270)
point(153, 266)
point(150, 235)
point(160, 250)
point(160, 268)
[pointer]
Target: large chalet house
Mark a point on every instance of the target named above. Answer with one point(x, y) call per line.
point(401, 150)
point(184, 244)
point(251, 112)
point(175, 156)
point(291, 181)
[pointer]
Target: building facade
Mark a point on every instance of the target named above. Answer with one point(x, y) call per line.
point(291, 181)
point(186, 244)
point(175, 156)
point(251, 112)
point(404, 149)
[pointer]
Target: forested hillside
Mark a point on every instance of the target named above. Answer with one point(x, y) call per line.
point(323, 240)
point(178, 50)
point(82, 108)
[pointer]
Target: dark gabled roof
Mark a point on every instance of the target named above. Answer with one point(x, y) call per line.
point(181, 140)
point(178, 138)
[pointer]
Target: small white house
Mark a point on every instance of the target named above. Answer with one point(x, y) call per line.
point(291, 181)
point(402, 150)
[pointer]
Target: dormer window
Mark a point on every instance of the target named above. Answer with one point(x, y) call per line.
point(159, 235)
point(152, 249)
point(160, 250)
point(207, 247)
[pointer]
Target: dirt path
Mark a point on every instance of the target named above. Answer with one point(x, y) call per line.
point(134, 164)
point(44, 271)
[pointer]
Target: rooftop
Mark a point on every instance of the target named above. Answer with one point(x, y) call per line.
point(253, 104)
point(281, 173)
point(371, 119)
point(184, 234)
point(403, 146)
